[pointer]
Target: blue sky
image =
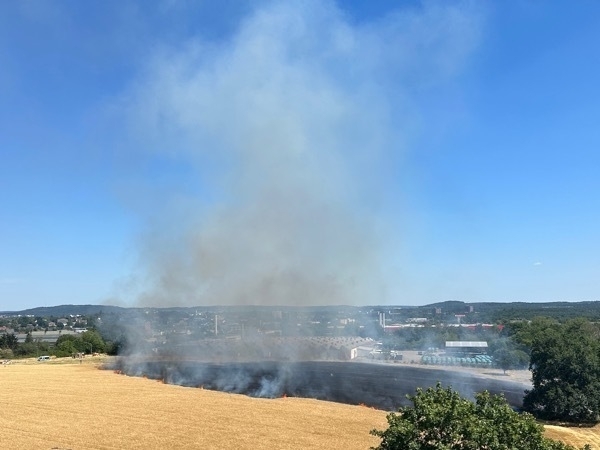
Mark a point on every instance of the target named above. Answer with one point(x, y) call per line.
point(307, 152)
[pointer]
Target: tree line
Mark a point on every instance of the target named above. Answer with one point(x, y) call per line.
point(88, 342)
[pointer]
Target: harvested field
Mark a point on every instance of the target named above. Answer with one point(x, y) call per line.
point(75, 406)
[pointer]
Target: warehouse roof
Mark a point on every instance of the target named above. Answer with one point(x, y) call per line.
point(466, 344)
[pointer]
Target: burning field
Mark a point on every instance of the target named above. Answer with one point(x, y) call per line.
point(63, 404)
point(73, 406)
point(331, 369)
point(382, 386)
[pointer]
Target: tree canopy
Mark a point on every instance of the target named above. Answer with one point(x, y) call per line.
point(9, 341)
point(565, 367)
point(440, 419)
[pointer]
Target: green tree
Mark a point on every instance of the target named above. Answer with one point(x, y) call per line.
point(565, 366)
point(41, 322)
point(9, 341)
point(507, 355)
point(505, 359)
point(66, 347)
point(93, 341)
point(440, 419)
point(526, 332)
point(24, 321)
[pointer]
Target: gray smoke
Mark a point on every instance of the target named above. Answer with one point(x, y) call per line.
point(295, 129)
point(291, 127)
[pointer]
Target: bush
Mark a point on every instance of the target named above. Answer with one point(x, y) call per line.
point(441, 419)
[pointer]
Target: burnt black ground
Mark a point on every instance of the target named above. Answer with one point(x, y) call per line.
point(383, 386)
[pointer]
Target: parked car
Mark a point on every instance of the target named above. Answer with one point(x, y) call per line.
point(44, 358)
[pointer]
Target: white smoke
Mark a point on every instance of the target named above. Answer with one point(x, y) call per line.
point(292, 126)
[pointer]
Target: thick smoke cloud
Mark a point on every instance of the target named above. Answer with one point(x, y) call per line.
point(295, 127)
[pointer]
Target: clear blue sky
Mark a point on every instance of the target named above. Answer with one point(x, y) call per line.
point(301, 152)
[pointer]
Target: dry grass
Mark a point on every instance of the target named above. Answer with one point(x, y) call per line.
point(68, 404)
point(63, 404)
point(574, 435)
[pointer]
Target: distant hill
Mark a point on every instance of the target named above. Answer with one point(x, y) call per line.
point(496, 311)
point(448, 305)
point(65, 310)
point(476, 312)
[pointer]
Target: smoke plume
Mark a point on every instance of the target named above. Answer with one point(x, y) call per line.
point(294, 128)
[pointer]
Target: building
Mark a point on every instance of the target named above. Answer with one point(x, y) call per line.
point(49, 337)
point(466, 348)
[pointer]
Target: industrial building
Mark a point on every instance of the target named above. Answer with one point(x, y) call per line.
point(466, 348)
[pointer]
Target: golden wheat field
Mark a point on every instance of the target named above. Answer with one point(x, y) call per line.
point(68, 405)
point(65, 404)
point(574, 435)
